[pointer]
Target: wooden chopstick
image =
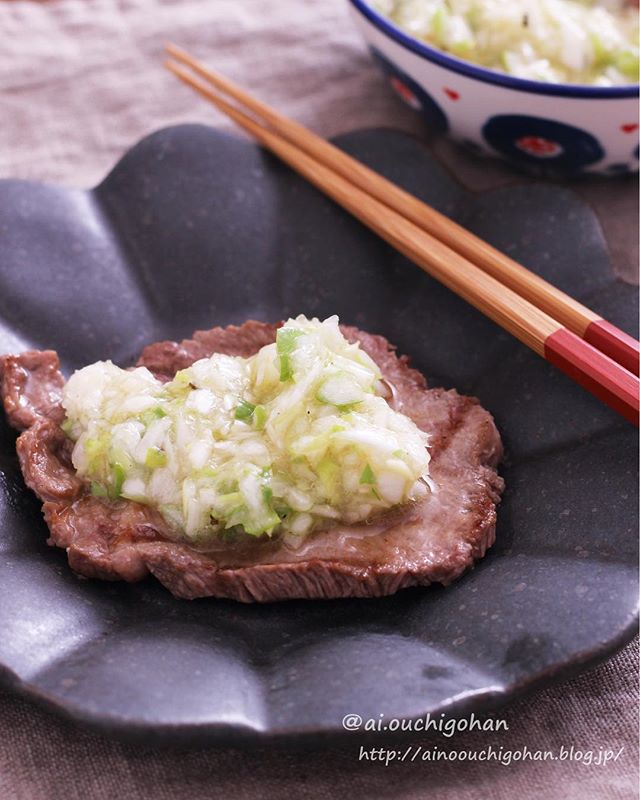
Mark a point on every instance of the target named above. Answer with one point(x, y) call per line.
point(573, 315)
point(546, 336)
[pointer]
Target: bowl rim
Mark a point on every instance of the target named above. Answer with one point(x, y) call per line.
point(486, 75)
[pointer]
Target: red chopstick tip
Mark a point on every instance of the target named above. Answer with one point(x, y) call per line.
point(599, 374)
point(615, 343)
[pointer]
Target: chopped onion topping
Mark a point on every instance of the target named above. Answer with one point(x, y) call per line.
point(557, 41)
point(292, 439)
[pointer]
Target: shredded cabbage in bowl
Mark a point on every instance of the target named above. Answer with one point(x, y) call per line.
point(289, 440)
point(557, 41)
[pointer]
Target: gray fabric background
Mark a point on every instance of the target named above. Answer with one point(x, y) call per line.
point(80, 81)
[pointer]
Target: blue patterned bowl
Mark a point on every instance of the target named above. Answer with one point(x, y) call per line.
point(549, 129)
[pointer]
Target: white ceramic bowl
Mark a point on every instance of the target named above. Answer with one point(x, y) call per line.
point(548, 128)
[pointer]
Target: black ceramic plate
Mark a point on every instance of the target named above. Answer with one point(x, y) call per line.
point(193, 229)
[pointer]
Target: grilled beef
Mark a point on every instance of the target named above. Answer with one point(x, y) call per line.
point(432, 540)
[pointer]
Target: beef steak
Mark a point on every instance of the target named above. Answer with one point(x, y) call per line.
point(432, 540)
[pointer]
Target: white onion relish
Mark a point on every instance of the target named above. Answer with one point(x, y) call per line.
point(556, 41)
point(287, 441)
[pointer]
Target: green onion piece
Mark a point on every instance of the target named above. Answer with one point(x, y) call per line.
point(367, 475)
point(462, 47)
point(375, 493)
point(155, 458)
point(329, 474)
point(244, 410)
point(228, 503)
point(601, 53)
point(346, 407)
point(438, 23)
point(260, 417)
point(181, 381)
point(66, 427)
point(225, 487)
point(286, 340)
point(285, 345)
point(118, 475)
point(286, 370)
point(235, 515)
point(627, 63)
point(152, 414)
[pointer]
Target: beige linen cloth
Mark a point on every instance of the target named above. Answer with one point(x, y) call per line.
point(80, 81)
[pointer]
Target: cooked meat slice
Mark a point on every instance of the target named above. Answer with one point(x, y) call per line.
point(102, 538)
point(45, 460)
point(31, 388)
point(164, 359)
point(433, 540)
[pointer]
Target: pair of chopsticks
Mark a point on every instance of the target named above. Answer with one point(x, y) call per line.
point(593, 352)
